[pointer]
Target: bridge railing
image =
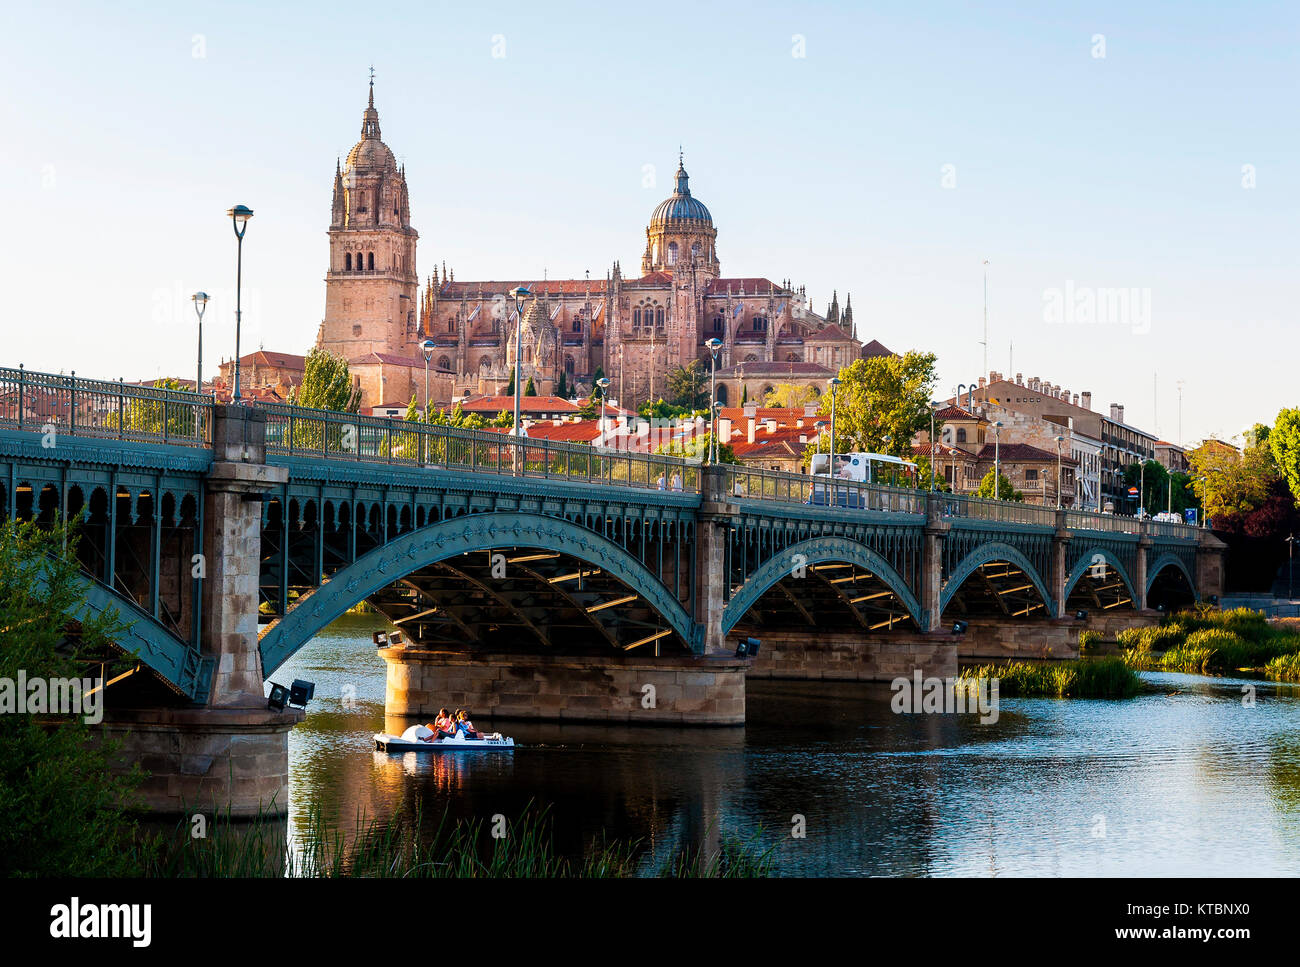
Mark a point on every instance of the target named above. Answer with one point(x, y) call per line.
point(1162, 528)
point(1096, 521)
point(1003, 511)
point(798, 488)
point(301, 431)
point(101, 408)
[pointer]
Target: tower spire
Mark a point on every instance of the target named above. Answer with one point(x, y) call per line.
point(370, 117)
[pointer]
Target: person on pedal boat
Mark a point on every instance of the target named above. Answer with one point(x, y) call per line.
point(443, 727)
point(465, 727)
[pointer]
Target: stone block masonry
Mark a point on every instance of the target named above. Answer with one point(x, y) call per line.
point(853, 657)
point(686, 690)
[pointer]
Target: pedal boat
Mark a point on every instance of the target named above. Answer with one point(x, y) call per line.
point(409, 741)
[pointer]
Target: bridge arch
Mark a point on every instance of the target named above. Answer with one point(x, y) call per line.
point(986, 554)
point(820, 550)
point(1087, 561)
point(382, 566)
point(1168, 560)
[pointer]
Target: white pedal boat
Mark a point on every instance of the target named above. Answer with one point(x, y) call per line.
point(413, 740)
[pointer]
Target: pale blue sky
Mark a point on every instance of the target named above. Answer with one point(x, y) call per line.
point(121, 150)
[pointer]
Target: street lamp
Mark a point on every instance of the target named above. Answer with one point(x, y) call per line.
point(997, 460)
point(427, 347)
point(714, 346)
point(200, 305)
point(1290, 566)
point(934, 445)
point(835, 384)
point(1059, 440)
point(239, 216)
point(603, 384)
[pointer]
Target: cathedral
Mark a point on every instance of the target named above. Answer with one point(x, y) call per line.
point(636, 329)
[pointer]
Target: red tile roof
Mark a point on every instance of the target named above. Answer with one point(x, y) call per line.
point(957, 413)
point(752, 286)
point(876, 348)
point(784, 415)
point(268, 357)
point(828, 333)
point(527, 404)
point(387, 359)
point(1021, 453)
point(783, 440)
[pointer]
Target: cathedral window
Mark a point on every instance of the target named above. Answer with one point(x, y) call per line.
point(659, 317)
point(636, 318)
point(347, 261)
point(568, 365)
point(371, 262)
point(672, 253)
point(717, 323)
point(577, 324)
point(444, 362)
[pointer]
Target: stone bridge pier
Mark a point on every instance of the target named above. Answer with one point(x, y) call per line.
point(230, 753)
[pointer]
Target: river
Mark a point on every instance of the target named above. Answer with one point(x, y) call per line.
point(1187, 781)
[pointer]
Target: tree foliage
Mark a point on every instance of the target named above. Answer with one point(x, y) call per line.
point(327, 384)
point(1230, 482)
point(1284, 442)
point(1004, 492)
point(688, 387)
point(885, 396)
point(61, 807)
point(790, 396)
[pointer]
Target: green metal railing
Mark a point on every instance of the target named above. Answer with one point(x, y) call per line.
point(99, 408)
point(297, 430)
point(798, 488)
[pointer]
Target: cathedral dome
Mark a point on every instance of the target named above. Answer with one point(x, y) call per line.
point(371, 153)
point(681, 206)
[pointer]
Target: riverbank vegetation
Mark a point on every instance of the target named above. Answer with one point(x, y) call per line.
point(1207, 642)
point(1083, 678)
point(403, 847)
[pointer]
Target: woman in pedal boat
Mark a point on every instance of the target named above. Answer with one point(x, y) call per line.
point(443, 727)
point(465, 727)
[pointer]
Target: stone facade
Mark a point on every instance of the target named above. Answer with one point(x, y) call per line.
point(879, 658)
point(637, 329)
point(991, 640)
point(687, 690)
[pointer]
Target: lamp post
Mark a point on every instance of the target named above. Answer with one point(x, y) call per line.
point(1142, 486)
point(997, 460)
point(835, 383)
point(934, 444)
point(239, 216)
point(1059, 440)
point(603, 384)
point(1290, 566)
point(714, 344)
point(520, 294)
point(427, 348)
point(200, 305)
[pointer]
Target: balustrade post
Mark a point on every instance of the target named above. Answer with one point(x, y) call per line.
point(22, 380)
point(121, 409)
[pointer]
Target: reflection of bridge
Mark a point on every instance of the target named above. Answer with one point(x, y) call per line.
point(555, 561)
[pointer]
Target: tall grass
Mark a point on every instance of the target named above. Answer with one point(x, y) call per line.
point(1084, 678)
point(404, 848)
point(1209, 642)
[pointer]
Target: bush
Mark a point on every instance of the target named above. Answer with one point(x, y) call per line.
point(1130, 639)
point(1089, 640)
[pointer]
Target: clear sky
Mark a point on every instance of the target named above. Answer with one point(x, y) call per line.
point(817, 134)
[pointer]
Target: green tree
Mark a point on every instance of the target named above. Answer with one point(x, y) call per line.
point(62, 809)
point(510, 386)
point(326, 384)
point(1230, 482)
point(529, 388)
point(562, 389)
point(1004, 492)
point(688, 387)
point(885, 396)
point(659, 410)
point(148, 414)
point(1284, 442)
point(790, 396)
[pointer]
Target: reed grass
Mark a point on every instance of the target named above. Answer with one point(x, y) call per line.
point(404, 848)
point(1083, 678)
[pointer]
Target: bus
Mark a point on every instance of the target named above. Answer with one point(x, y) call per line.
point(856, 467)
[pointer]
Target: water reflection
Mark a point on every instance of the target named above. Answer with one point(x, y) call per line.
point(1184, 781)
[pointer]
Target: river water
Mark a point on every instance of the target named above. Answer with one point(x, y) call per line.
point(1187, 781)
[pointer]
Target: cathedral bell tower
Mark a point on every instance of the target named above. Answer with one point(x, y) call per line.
point(371, 286)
